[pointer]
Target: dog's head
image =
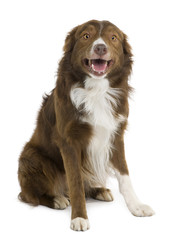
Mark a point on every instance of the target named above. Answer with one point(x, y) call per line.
point(98, 49)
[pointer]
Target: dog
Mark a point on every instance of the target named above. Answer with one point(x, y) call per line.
point(79, 137)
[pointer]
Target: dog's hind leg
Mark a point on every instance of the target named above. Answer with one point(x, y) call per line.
point(40, 180)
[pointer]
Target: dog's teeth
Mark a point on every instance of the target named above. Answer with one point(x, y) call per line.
point(93, 67)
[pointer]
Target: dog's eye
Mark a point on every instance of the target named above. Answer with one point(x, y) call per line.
point(114, 38)
point(86, 36)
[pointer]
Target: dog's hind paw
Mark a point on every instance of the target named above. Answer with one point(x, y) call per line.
point(61, 202)
point(105, 195)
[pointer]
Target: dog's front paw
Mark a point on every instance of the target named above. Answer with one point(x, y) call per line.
point(80, 224)
point(141, 210)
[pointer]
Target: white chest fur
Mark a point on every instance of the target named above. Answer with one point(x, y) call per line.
point(98, 99)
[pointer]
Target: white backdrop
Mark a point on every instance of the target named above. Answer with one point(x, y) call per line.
point(31, 41)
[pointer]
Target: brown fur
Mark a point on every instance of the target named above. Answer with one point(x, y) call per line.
point(51, 163)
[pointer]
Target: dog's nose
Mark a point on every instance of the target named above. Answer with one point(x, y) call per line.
point(100, 49)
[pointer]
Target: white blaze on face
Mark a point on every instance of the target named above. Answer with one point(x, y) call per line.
point(93, 55)
point(98, 41)
point(99, 63)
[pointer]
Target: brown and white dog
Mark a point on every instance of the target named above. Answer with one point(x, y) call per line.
point(79, 136)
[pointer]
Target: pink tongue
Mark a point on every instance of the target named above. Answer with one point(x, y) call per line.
point(99, 66)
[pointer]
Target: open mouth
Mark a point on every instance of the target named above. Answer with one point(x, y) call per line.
point(97, 67)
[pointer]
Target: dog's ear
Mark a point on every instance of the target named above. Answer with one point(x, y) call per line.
point(126, 46)
point(128, 61)
point(70, 40)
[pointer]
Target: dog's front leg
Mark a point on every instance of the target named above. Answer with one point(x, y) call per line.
point(72, 160)
point(136, 207)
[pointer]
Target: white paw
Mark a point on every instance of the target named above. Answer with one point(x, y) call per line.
point(141, 210)
point(80, 224)
point(105, 196)
point(61, 202)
